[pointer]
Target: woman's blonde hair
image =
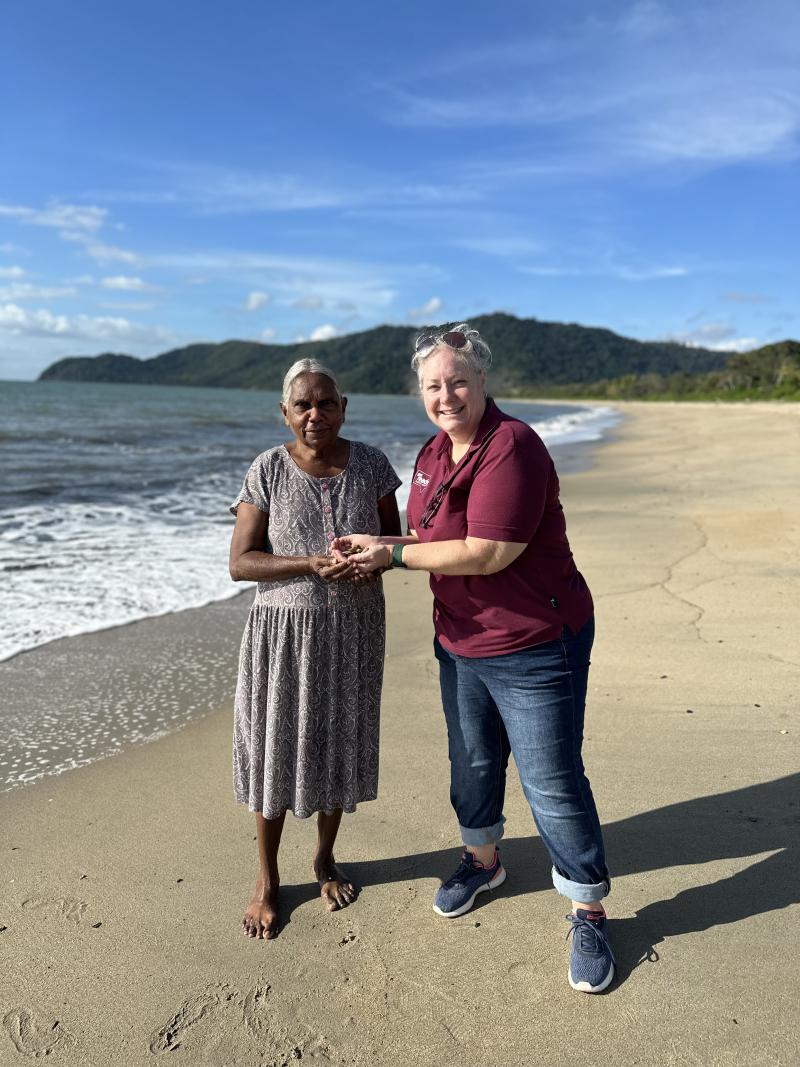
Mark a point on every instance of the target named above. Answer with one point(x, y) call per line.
point(475, 353)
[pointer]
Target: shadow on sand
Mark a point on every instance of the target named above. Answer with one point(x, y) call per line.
point(745, 822)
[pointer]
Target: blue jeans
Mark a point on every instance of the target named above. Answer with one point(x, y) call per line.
point(529, 704)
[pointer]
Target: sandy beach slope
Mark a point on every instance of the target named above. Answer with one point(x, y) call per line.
point(122, 883)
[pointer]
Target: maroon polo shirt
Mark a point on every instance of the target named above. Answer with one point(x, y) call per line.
point(506, 489)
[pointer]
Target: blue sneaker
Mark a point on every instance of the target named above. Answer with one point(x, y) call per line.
point(458, 893)
point(591, 964)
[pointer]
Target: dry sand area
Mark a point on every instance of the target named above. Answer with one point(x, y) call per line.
point(123, 883)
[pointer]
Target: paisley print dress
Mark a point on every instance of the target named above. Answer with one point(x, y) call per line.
point(307, 708)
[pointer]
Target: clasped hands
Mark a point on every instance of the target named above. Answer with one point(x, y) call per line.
point(357, 557)
point(354, 558)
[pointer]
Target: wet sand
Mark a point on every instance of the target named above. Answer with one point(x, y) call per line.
point(122, 883)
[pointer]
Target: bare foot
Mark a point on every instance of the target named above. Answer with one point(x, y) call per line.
point(261, 917)
point(336, 889)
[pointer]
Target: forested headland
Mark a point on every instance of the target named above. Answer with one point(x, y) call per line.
point(531, 359)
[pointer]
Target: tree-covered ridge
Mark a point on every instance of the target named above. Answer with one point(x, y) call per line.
point(530, 357)
point(768, 373)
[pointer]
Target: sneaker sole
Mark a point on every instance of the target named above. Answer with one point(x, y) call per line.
point(584, 987)
point(498, 879)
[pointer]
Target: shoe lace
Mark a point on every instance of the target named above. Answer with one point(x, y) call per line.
point(588, 934)
point(462, 871)
point(465, 868)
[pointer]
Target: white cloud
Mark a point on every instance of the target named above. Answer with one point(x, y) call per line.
point(718, 336)
point(646, 18)
point(430, 307)
point(501, 246)
point(129, 305)
point(324, 333)
point(218, 191)
point(646, 274)
point(746, 298)
point(739, 344)
point(255, 300)
point(127, 284)
point(11, 272)
point(704, 84)
point(103, 253)
point(27, 291)
point(627, 274)
point(311, 302)
point(43, 323)
point(70, 218)
point(552, 272)
point(267, 334)
point(291, 278)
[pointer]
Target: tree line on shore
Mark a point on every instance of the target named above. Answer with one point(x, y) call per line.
point(768, 373)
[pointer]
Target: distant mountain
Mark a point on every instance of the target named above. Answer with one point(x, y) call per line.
point(530, 356)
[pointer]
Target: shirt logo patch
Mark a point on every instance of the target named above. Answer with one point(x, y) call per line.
point(422, 480)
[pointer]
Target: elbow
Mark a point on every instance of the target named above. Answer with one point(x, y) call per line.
point(483, 564)
point(234, 571)
point(495, 562)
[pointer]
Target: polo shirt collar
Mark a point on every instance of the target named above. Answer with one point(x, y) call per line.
point(491, 417)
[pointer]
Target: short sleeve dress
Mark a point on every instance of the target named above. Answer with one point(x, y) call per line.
point(307, 708)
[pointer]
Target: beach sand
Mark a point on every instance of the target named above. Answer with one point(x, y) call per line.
point(123, 882)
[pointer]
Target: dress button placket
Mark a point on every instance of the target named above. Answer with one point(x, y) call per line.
point(327, 525)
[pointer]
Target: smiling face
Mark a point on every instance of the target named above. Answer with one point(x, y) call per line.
point(315, 411)
point(453, 394)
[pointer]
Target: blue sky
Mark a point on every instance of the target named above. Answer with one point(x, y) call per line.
point(197, 171)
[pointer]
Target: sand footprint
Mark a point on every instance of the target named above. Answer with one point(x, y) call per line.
point(169, 1037)
point(283, 1045)
point(256, 1022)
point(33, 1037)
point(254, 1009)
point(57, 908)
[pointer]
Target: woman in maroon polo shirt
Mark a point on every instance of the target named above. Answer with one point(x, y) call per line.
point(514, 628)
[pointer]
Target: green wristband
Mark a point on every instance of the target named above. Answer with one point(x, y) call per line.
point(397, 556)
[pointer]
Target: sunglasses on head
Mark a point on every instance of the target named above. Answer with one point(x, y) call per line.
point(453, 339)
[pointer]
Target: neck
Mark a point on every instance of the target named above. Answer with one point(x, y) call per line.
point(330, 455)
point(315, 455)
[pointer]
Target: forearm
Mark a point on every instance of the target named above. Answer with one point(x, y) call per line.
point(470, 556)
point(444, 557)
point(265, 567)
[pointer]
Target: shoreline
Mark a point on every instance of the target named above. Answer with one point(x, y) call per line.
point(104, 556)
point(124, 883)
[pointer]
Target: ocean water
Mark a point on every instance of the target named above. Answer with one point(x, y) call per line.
point(114, 498)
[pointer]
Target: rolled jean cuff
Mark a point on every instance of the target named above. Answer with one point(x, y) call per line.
point(584, 894)
point(482, 835)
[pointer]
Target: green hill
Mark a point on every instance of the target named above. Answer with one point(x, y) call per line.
point(530, 357)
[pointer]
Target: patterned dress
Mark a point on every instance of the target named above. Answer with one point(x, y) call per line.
point(307, 709)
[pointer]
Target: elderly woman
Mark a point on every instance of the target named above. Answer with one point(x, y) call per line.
point(311, 665)
point(514, 628)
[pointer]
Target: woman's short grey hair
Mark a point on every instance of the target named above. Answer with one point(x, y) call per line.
point(306, 366)
point(476, 354)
